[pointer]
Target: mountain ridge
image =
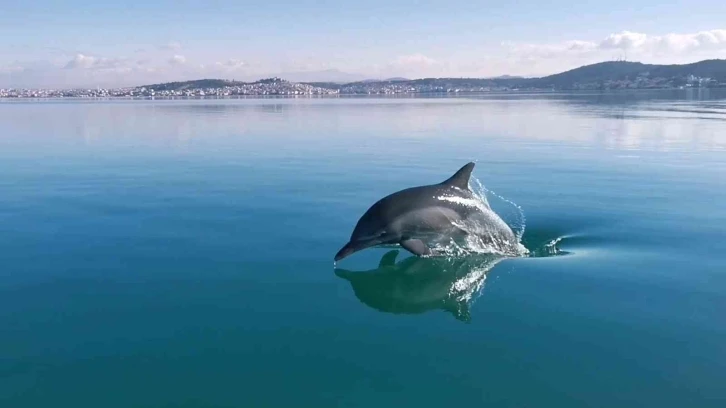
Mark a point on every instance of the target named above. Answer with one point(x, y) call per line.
point(601, 75)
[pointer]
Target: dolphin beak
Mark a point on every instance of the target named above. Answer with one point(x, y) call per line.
point(347, 250)
point(352, 247)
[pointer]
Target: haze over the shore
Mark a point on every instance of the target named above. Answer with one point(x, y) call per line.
point(90, 44)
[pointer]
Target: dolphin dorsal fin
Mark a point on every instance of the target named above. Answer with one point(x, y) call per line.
point(460, 179)
point(389, 259)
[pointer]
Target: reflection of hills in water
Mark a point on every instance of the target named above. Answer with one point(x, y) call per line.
point(418, 285)
point(658, 120)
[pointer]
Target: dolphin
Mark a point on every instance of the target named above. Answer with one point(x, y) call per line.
point(418, 218)
point(417, 285)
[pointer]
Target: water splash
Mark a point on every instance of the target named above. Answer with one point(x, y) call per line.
point(484, 235)
point(468, 288)
point(550, 248)
point(511, 213)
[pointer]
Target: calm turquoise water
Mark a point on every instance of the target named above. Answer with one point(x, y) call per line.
point(180, 253)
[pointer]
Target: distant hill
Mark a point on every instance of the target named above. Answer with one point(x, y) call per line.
point(613, 71)
point(507, 77)
point(603, 75)
point(602, 71)
point(207, 83)
point(195, 84)
point(394, 79)
point(328, 75)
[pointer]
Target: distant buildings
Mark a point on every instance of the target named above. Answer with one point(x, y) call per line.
point(280, 87)
point(393, 88)
point(273, 86)
point(644, 81)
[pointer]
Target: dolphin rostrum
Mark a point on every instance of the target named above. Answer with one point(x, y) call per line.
point(418, 218)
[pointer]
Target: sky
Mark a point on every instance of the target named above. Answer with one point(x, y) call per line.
point(80, 43)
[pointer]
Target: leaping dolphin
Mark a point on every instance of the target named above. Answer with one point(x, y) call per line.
point(420, 217)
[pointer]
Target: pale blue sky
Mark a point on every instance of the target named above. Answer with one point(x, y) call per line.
point(90, 43)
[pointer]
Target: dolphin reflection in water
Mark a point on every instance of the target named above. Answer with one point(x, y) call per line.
point(417, 285)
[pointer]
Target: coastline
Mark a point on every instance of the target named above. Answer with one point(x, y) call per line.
point(401, 95)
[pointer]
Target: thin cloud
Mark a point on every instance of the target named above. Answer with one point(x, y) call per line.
point(82, 61)
point(231, 64)
point(410, 65)
point(172, 46)
point(413, 61)
point(640, 44)
point(178, 60)
point(670, 43)
point(8, 69)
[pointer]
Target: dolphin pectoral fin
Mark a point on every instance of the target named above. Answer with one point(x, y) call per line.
point(415, 246)
point(389, 259)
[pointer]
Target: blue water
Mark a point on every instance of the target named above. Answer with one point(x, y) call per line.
point(180, 253)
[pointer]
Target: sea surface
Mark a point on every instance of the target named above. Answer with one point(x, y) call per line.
point(179, 253)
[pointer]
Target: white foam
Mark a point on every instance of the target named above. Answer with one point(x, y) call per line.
point(483, 237)
point(469, 202)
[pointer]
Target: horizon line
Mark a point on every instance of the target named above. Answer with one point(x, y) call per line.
point(391, 79)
